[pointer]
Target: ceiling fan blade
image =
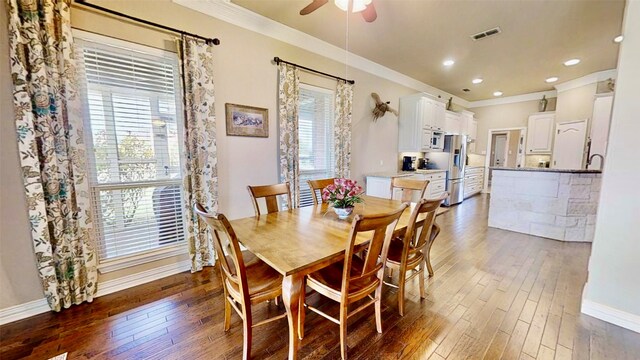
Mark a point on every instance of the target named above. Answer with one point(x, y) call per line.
point(313, 6)
point(369, 13)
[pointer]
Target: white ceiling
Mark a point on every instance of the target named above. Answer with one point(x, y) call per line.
point(414, 37)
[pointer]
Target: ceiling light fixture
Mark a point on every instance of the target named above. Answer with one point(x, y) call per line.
point(572, 62)
point(497, 93)
point(477, 81)
point(342, 4)
point(448, 62)
point(552, 79)
point(618, 39)
point(360, 5)
point(357, 5)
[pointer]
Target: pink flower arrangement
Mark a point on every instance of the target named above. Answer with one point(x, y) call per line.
point(343, 193)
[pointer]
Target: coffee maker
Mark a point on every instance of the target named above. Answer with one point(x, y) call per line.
point(408, 163)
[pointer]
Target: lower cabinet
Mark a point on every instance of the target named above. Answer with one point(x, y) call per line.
point(473, 181)
point(381, 186)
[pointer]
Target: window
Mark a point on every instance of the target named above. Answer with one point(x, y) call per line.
point(133, 124)
point(315, 132)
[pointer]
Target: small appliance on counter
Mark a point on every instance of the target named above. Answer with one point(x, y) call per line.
point(408, 163)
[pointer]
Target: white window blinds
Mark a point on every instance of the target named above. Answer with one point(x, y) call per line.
point(133, 118)
point(315, 132)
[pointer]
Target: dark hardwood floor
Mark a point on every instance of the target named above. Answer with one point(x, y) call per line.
point(495, 294)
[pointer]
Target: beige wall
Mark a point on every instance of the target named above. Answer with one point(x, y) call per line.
point(615, 258)
point(576, 104)
point(18, 278)
point(244, 75)
point(503, 117)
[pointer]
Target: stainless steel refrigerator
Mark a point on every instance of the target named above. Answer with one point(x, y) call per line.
point(453, 159)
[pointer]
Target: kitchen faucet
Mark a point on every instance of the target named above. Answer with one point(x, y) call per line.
point(591, 160)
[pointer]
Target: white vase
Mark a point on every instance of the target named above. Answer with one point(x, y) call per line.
point(343, 213)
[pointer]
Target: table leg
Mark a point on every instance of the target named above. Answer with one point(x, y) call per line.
point(291, 287)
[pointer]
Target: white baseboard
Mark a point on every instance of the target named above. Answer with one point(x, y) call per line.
point(611, 315)
point(142, 277)
point(23, 311)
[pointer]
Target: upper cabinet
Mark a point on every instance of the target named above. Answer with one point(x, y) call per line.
point(540, 133)
point(468, 125)
point(420, 116)
point(452, 122)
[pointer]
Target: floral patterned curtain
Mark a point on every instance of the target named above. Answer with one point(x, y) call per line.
point(52, 150)
point(342, 129)
point(288, 95)
point(201, 160)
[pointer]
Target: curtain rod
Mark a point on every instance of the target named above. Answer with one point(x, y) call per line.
point(278, 61)
point(214, 41)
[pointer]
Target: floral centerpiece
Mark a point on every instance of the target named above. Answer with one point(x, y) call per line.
point(343, 194)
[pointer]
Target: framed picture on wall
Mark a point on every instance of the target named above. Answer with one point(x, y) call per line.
point(243, 120)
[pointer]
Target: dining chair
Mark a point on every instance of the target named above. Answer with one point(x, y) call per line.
point(318, 185)
point(270, 194)
point(356, 278)
point(246, 280)
point(410, 253)
point(408, 186)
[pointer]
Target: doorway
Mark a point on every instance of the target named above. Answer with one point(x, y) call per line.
point(499, 151)
point(505, 148)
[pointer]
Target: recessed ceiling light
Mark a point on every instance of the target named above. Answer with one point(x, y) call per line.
point(552, 79)
point(618, 39)
point(497, 93)
point(571, 62)
point(477, 81)
point(448, 62)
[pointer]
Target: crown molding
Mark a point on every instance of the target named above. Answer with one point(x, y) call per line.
point(228, 12)
point(513, 99)
point(587, 79)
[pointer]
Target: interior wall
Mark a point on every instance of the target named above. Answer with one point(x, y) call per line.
point(576, 104)
point(506, 116)
point(18, 277)
point(615, 256)
point(512, 150)
point(244, 74)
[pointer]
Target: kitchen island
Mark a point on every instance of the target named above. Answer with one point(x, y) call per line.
point(553, 203)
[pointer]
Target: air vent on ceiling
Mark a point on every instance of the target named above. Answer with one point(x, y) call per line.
point(466, 90)
point(486, 33)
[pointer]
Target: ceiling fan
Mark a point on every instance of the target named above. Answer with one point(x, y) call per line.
point(365, 7)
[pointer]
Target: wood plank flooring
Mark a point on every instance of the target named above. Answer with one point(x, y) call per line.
point(495, 294)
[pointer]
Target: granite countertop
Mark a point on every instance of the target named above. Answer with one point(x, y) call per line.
point(394, 174)
point(570, 171)
point(474, 166)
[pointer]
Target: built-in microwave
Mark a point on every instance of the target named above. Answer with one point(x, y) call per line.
point(437, 141)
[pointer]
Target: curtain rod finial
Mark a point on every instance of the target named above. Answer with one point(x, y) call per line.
point(216, 41)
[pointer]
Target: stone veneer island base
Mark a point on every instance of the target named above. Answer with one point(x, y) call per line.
point(552, 203)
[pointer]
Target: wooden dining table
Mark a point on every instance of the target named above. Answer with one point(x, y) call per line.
point(300, 241)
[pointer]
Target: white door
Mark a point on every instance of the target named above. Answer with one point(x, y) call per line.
point(499, 153)
point(568, 147)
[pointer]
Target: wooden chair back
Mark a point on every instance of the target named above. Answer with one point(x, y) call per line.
point(318, 185)
point(270, 194)
point(382, 226)
point(232, 267)
point(408, 186)
point(414, 241)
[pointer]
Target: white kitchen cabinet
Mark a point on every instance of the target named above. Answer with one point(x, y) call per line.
point(473, 181)
point(379, 186)
point(540, 133)
point(420, 116)
point(452, 123)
